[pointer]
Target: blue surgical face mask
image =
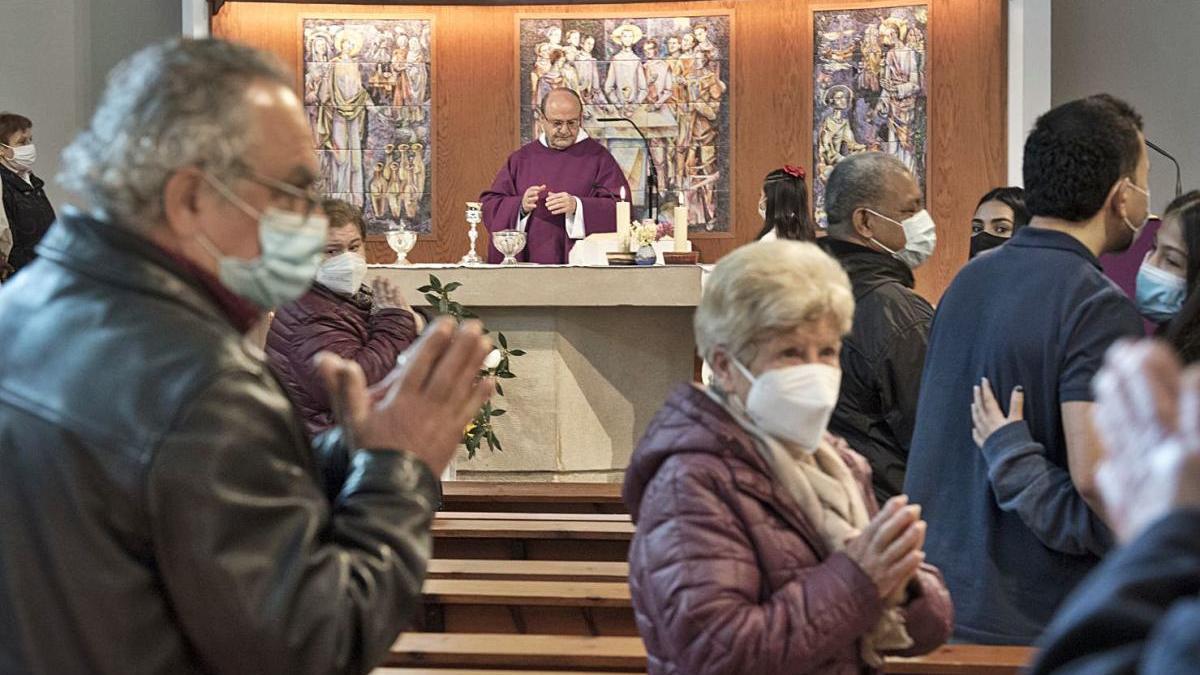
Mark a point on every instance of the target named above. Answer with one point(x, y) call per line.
point(1160, 294)
point(291, 246)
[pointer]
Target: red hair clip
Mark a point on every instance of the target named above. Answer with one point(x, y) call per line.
point(794, 171)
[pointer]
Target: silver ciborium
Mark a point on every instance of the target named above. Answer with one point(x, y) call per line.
point(510, 243)
point(401, 240)
point(474, 218)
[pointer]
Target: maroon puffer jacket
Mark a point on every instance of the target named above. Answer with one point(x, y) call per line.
point(320, 321)
point(728, 576)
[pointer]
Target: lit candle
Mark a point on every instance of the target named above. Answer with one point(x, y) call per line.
point(623, 218)
point(681, 226)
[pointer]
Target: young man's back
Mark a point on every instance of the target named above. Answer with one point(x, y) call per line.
point(1036, 313)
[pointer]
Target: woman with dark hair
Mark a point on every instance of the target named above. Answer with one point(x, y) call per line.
point(783, 206)
point(1168, 278)
point(999, 214)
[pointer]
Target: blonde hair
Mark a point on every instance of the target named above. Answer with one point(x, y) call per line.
point(767, 288)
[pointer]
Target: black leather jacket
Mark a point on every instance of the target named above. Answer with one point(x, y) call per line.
point(882, 360)
point(160, 508)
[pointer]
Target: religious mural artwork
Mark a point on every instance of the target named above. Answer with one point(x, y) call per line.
point(670, 75)
point(869, 91)
point(367, 92)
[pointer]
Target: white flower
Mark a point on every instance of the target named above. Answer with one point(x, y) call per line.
point(493, 359)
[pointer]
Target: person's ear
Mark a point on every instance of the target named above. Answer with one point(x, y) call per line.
point(861, 220)
point(1117, 201)
point(181, 201)
point(722, 369)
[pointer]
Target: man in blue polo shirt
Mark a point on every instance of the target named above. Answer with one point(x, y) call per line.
point(1014, 526)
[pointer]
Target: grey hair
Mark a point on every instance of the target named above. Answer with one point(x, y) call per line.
point(857, 182)
point(174, 104)
point(769, 288)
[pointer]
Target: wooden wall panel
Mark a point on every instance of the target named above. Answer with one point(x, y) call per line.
point(475, 109)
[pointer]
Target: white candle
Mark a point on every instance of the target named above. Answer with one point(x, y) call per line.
point(681, 228)
point(623, 219)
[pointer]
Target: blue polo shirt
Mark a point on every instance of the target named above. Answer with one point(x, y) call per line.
point(1037, 312)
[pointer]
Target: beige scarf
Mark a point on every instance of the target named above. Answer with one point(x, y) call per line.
point(830, 497)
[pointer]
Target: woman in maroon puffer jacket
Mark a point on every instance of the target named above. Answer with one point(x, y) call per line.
point(759, 546)
point(338, 314)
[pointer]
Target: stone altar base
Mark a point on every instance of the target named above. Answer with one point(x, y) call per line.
point(604, 347)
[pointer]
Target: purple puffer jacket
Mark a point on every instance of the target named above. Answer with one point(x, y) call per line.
point(322, 320)
point(728, 576)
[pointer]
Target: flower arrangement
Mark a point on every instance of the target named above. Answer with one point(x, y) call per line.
point(646, 233)
point(496, 365)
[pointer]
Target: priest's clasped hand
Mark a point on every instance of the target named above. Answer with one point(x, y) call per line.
point(560, 203)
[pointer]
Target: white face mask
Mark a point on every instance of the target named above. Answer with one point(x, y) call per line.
point(343, 273)
point(793, 404)
point(291, 246)
point(920, 234)
point(23, 157)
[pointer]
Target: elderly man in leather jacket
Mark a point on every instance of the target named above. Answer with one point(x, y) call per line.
point(163, 510)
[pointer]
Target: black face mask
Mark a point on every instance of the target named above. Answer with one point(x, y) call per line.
point(984, 241)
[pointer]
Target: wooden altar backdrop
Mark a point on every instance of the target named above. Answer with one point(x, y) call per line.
point(476, 111)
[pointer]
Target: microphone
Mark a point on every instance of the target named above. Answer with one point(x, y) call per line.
point(1178, 173)
point(651, 173)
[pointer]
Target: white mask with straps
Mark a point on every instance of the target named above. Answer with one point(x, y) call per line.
point(793, 404)
point(24, 156)
point(920, 234)
point(343, 273)
point(1146, 193)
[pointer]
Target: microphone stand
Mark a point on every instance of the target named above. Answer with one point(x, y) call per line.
point(651, 173)
point(1178, 173)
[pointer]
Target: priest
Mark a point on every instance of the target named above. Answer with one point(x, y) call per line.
point(557, 189)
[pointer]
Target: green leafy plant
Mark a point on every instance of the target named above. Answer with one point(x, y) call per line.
point(498, 365)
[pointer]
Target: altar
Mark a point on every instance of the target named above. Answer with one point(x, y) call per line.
point(604, 346)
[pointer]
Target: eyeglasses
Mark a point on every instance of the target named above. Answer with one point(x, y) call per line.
point(559, 125)
point(309, 197)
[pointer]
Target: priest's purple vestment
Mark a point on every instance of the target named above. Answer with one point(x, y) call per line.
point(585, 170)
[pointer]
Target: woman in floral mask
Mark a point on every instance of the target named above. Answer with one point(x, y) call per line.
point(26, 207)
point(369, 325)
point(760, 547)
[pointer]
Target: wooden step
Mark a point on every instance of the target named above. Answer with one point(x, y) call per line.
point(526, 607)
point(475, 671)
point(472, 650)
point(532, 497)
point(515, 539)
point(526, 517)
point(528, 570)
point(621, 654)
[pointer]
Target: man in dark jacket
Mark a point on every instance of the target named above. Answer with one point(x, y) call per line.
point(163, 510)
point(370, 326)
point(872, 201)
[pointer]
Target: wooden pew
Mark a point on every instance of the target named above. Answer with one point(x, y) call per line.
point(532, 497)
point(527, 607)
point(524, 652)
point(531, 539)
point(528, 570)
point(964, 660)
